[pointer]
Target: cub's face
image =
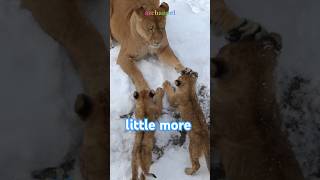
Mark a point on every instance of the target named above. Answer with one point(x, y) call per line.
point(236, 67)
point(244, 64)
point(144, 103)
point(151, 28)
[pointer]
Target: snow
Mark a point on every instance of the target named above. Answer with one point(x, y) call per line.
point(170, 170)
point(188, 33)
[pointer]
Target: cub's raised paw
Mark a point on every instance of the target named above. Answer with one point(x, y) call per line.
point(160, 91)
point(166, 84)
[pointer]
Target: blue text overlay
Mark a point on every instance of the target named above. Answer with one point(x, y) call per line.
point(144, 125)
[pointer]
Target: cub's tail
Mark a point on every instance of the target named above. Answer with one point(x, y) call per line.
point(206, 149)
point(207, 157)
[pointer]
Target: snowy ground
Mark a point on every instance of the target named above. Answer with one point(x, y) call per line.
point(298, 72)
point(188, 33)
point(38, 89)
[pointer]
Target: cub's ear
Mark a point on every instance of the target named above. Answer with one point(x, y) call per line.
point(217, 68)
point(135, 95)
point(151, 93)
point(164, 6)
point(177, 82)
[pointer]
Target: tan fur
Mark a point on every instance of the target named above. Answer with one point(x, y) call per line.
point(64, 22)
point(186, 101)
point(138, 35)
point(247, 124)
point(223, 18)
point(93, 157)
point(150, 108)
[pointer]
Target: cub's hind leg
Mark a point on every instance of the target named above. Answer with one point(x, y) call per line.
point(146, 154)
point(195, 153)
point(135, 162)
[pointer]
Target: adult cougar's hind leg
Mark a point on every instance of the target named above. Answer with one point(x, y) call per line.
point(146, 154)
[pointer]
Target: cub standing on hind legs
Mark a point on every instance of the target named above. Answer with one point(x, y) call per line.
point(148, 105)
point(64, 22)
point(140, 35)
point(234, 28)
point(247, 128)
point(186, 101)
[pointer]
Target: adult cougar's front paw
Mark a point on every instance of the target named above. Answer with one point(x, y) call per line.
point(188, 71)
point(272, 41)
point(246, 28)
